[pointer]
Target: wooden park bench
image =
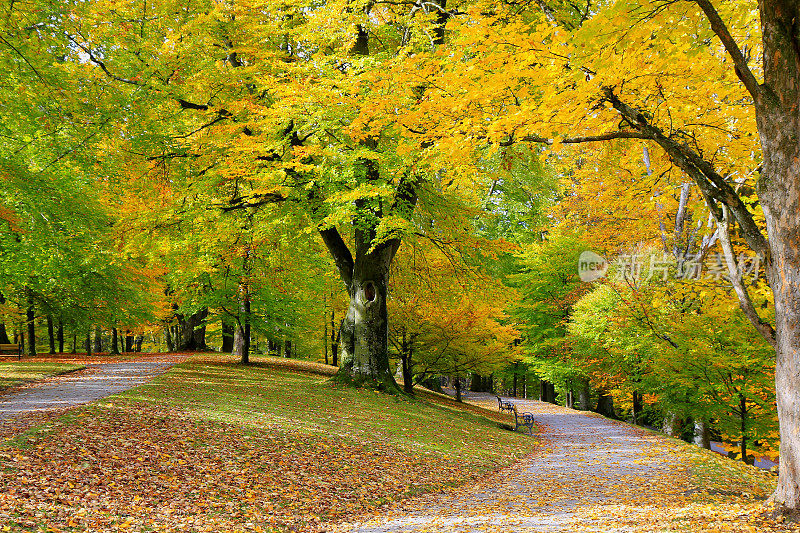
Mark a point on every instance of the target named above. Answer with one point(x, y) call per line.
point(11, 350)
point(523, 419)
point(504, 405)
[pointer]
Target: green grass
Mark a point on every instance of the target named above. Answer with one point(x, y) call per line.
point(265, 395)
point(715, 475)
point(19, 372)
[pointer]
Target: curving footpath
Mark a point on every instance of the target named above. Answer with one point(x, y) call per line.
point(97, 381)
point(592, 474)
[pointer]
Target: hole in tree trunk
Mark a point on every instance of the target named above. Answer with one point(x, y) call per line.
point(369, 291)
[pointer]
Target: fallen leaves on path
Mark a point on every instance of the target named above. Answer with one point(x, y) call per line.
point(595, 475)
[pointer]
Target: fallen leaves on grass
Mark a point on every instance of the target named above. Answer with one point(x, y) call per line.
point(142, 468)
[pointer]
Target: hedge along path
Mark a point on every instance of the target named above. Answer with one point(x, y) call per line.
point(98, 381)
point(595, 475)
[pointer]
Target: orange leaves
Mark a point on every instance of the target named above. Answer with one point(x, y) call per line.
point(138, 468)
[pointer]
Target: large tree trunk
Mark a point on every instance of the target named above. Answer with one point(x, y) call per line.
point(192, 332)
point(365, 333)
point(702, 435)
point(228, 331)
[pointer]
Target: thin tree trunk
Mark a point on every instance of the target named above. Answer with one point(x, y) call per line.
point(241, 342)
point(335, 343)
point(637, 407)
point(88, 343)
point(3, 333)
point(516, 367)
point(584, 395)
point(671, 425)
point(288, 348)
point(74, 342)
point(60, 334)
point(325, 336)
point(115, 341)
point(98, 339)
point(51, 336)
point(406, 352)
point(137, 343)
point(168, 339)
point(702, 435)
point(30, 315)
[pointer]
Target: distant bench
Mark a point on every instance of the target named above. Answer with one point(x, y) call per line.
point(504, 405)
point(11, 350)
point(520, 419)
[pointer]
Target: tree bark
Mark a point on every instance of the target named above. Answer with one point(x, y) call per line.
point(192, 331)
point(702, 435)
point(228, 331)
point(335, 341)
point(637, 407)
point(137, 343)
point(287, 351)
point(98, 339)
point(406, 351)
point(605, 405)
point(584, 395)
point(88, 343)
point(241, 341)
point(51, 336)
point(31, 317)
point(115, 341)
point(3, 333)
point(671, 425)
point(128, 342)
point(168, 339)
point(60, 335)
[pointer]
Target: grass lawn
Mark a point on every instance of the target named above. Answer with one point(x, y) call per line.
point(215, 446)
point(18, 372)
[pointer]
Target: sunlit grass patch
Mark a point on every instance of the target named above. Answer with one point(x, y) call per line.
point(265, 395)
point(14, 373)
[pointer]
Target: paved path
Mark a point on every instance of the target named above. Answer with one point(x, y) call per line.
point(97, 381)
point(591, 470)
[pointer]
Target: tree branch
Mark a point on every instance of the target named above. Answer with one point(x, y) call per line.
point(739, 61)
point(340, 253)
point(711, 184)
point(745, 302)
point(623, 134)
